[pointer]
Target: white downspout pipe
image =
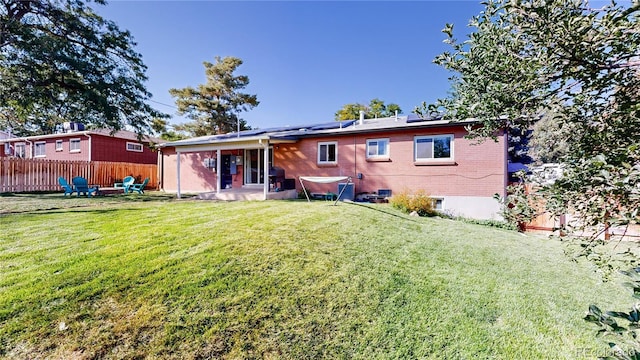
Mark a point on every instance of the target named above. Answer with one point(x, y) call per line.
point(90, 149)
point(266, 170)
point(30, 148)
point(218, 171)
point(178, 154)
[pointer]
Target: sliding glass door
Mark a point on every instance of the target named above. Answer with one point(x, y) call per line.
point(254, 167)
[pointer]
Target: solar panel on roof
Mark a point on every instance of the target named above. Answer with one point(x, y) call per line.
point(332, 125)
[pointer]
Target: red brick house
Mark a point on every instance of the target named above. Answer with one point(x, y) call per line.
point(397, 154)
point(90, 145)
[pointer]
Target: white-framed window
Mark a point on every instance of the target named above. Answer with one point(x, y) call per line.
point(438, 203)
point(131, 146)
point(59, 145)
point(433, 148)
point(378, 149)
point(20, 150)
point(74, 145)
point(328, 152)
point(39, 149)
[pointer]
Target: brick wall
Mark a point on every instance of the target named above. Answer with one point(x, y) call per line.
point(477, 170)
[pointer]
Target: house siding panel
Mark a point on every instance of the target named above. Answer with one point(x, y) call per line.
point(93, 147)
point(105, 148)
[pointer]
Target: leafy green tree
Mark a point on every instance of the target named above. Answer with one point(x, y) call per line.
point(376, 109)
point(549, 140)
point(525, 59)
point(215, 106)
point(60, 61)
point(350, 111)
point(162, 129)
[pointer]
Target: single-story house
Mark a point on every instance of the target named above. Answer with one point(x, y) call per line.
point(405, 153)
point(75, 143)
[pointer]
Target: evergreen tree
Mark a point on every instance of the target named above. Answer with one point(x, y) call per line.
point(215, 106)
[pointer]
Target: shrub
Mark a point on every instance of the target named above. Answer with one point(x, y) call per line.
point(419, 202)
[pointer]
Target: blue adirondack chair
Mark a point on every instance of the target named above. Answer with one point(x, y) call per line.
point(127, 182)
point(81, 186)
point(139, 187)
point(68, 189)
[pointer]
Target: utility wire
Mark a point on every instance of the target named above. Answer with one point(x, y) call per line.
point(157, 102)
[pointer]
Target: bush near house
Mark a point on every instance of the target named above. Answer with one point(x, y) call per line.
point(418, 201)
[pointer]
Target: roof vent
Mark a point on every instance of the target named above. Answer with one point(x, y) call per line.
point(361, 117)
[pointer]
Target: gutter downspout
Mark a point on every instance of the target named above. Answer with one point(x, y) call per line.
point(265, 176)
point(90, 149)
point(178, 154)
point(30, 148)
point(160, 173)
point(218, 170)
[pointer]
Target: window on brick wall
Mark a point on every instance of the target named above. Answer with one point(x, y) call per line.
point(378, 149)
point(59, 145)
point(39, 149)
point(433, 148)
point(328, 152)
point(74, 145)
point(131, 146)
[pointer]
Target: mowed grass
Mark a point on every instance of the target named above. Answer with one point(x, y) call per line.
point(119, 277)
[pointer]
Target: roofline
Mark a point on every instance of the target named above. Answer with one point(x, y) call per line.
point(69, 134)
point(292, 135)
point(416, 125)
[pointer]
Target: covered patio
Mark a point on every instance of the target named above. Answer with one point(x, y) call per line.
point(228, 167)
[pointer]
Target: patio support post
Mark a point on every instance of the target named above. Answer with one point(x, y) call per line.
point(218, 171)
point(266, 169)
point(178, 171)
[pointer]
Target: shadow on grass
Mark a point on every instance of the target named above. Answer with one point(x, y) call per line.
point(74, 210)
point(378, 209)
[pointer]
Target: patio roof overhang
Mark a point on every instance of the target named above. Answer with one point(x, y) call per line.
point(209, 144)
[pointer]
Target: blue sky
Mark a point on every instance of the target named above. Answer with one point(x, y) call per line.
point(305, 59)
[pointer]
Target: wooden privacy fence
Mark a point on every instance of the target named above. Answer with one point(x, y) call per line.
point(27, 175)
point(545, 222)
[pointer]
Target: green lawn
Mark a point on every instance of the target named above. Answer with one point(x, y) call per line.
point(151, 277)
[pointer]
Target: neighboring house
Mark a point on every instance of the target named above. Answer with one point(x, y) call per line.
point(5, 147)
point(397, 153)
point(90, 145)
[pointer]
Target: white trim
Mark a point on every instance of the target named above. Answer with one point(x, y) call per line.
point(327, 162)
point(134, 146)
point(432, 159)
point(61, 147)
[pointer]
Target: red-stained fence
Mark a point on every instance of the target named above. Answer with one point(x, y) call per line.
point(31, 175)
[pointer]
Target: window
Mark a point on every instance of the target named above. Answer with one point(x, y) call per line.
point(328, 152)
point(430, 148)
point(134, 147)
point(74, 145)
point(59, 145)
point(39, 149)
point(378, 149)
point(20, 150)
point(438, 204)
